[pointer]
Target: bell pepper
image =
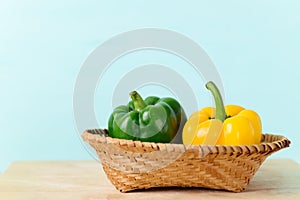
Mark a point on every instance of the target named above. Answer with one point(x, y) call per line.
point(151, 120)
point(223, 125)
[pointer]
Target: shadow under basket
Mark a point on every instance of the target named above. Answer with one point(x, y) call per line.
point(132, 165)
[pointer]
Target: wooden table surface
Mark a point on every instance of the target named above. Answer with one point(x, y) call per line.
point(276, 179)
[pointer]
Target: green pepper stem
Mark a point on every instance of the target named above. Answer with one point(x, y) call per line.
point(137, 100)
point(220, 109)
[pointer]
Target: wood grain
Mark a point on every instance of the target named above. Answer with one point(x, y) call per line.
point(276, 179)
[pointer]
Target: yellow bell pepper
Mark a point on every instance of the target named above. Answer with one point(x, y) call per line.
point(229, 125)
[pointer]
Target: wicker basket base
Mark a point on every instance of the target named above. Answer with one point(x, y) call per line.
point(132, 165)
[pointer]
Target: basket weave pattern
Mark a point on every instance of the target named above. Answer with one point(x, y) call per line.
point(132, 165)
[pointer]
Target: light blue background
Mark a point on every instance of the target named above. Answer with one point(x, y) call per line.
point(254, 44)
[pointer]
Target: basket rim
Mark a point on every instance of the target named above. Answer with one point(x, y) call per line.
point(101, 136)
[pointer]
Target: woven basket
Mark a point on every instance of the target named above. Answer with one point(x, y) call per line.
point(132, 165)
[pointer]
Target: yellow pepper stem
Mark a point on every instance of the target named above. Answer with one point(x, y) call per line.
point(220, 109)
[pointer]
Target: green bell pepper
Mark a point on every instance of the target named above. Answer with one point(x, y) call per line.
point(151, 120)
